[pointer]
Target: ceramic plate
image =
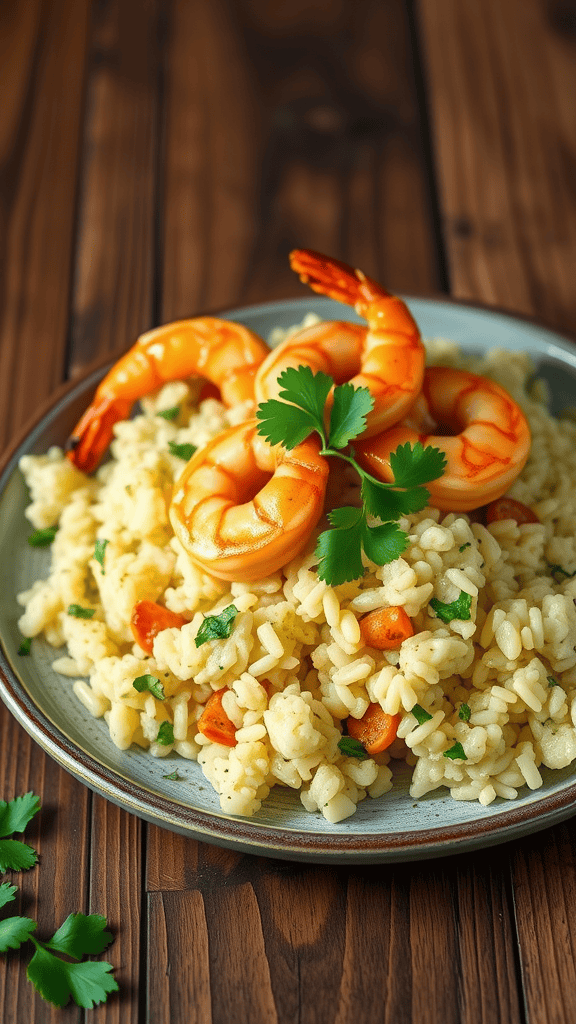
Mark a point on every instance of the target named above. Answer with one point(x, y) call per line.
point(395, 827)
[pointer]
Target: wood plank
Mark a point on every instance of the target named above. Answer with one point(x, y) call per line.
point(500, 79)
point(178, 977)
point(41, 79)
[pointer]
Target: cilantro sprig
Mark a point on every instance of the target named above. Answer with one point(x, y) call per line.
point(14, 816)
point(300, 411)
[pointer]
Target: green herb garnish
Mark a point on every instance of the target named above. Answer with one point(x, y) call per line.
point(182, 451)
point(42, 538)
point(79, 612)
point(557, 570)
point(151, 684)
point(458, 609)
point(217, 627)
point(456, 753)
point(552, 681)
point(464, 712)
point(463, 547)
point(420, 714)
point(99, 550)
point(299, 412)
point(25, 646)
point(173, 776)
point(169, 414)
point(14, 816)
point(165, 734)
point(352, 748)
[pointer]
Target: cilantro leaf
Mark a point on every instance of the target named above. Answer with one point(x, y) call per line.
point(217, 627)
point(306, 389)
point(284, 424)
point(463, 547)
point(464, 712)
point(81, 935)
point(25, 646)
point(14, 931)
point(42, 538)
point(387, 503)
point(15, 815)
point(416, 465)
point(99, 551)
point(552, 681)
point(352, 748)
point(151, 684)
point(420, 714)
point(169, 414)
point(57, 980)
point(458, 609)
point(16, 856)
point(182, 451)
point(346, 517)
point(7, 893)
point(456, 753)
point(173, 777)
point(79, 612)
point(384, 543)
point(557, 570)
point(340, 552)
point(348, 416)
point(165, 734)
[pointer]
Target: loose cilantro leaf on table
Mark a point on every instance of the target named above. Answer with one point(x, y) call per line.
point(7, 893)
point(42, 538)
point(352, 748)
point(14, 931)
point(300, 411)
point(150, 683)
point(458, 609)
point(217, 627)
point(182, 451)
point(79, 612)
point(14, 816)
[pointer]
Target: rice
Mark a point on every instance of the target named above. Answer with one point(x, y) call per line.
point(501, 684)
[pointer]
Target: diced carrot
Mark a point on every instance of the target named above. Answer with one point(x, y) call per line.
point(507, 508)
point(376, 730)
point(148, 619)
point(214, 722)
point(386, 628)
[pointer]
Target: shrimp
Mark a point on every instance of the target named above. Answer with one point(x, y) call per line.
point(483, 434)
point(224, 352)
point(242, 509)
point(387, 356)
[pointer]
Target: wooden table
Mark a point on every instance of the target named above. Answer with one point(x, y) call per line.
point(157, 160)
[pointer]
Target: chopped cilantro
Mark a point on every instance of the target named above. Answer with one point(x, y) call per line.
point(463, 547)
point(456, 753)
point(42, 538)
point(182, 451)
point(552, 681)
point(165, 734)
point(352, 748)
point(217, 627)
point(420, 714)
point(557, 570)
point(458, 609)
point(464, 712)
point(151, 684)
point(169, 414)
point(99, 551)
point(25, 646)
point(299, 412)
point(173, 776)
point(79, 612)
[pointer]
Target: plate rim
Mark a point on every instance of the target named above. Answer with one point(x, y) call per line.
point(247, 834)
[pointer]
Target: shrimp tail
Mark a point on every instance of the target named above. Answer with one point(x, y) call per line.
point(94, 431)
point(336, 279)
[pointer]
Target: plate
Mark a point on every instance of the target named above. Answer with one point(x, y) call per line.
point(393, 828)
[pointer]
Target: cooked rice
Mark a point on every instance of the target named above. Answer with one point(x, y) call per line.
point(294, 665)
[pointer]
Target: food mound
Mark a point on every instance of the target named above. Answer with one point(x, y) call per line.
point(264, 681)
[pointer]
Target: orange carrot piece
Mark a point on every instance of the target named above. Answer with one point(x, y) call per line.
point(214, 722)
point(386, 628)
point(507, 508)
point(148, 619)
point(376, 730)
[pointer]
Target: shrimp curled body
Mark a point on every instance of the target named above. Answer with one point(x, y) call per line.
point(224, 352)
point(487, 449)
point(242, 508)
point(387, 356)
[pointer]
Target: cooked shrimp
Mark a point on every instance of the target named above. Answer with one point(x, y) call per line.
point(387, 356)
point(482, 432)
point(224, 352)
point(242, 508)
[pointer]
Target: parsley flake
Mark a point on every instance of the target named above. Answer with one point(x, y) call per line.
point(25, 646)
point(463, 547)
point(173, 777)
point(464, 712)
point(42, 538)
point(420, 714)
point(99, 551)
point(458, 609)
point(217, 627)
point(165, 734)
point(79, 612)
point(557, 570)
point(552, 681)
point(182, 451)
point(169, 414)
point(151, 684)
point(352, 748)
point(456, 753)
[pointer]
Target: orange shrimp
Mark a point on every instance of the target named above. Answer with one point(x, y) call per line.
point(387, 356)
point(242, 508)
point(224, 352)
point(482, 432)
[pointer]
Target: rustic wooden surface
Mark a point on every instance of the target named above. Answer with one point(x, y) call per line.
point(159, 159)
